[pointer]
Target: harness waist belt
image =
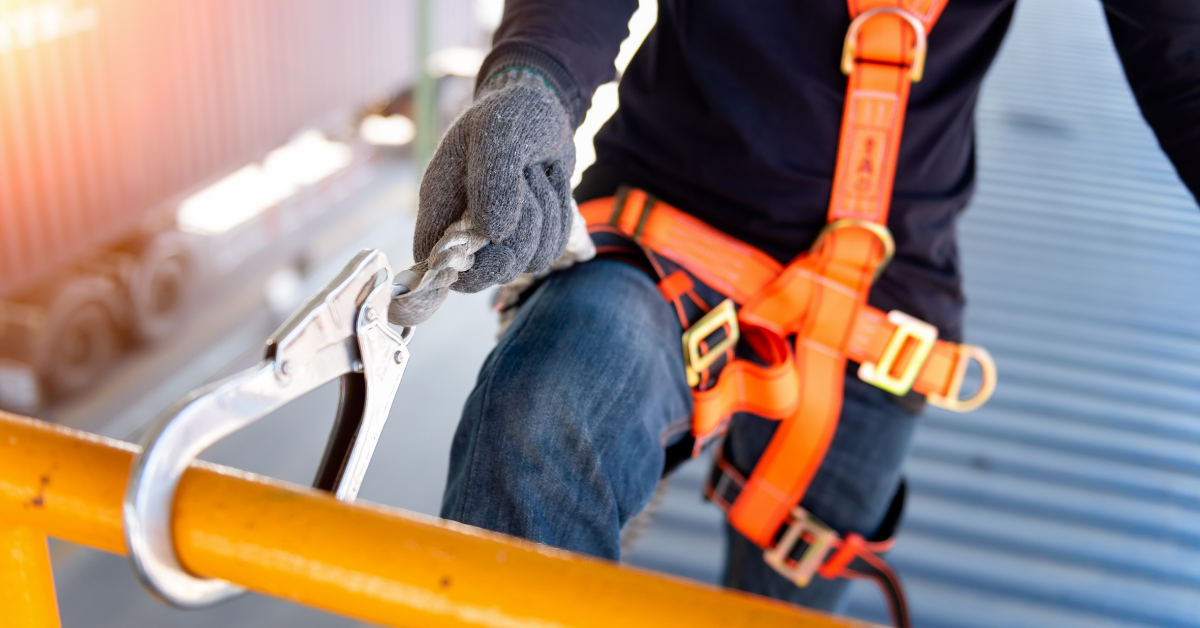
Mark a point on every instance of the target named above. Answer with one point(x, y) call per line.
point(741, 271)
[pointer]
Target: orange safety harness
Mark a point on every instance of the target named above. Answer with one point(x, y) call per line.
point(804, 320)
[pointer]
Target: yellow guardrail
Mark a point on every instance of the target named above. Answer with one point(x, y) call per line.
point(368, 562)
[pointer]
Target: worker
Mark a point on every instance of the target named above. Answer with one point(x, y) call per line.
point(732, 122)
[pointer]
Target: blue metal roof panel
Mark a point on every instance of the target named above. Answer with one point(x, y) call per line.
point(1072, 498)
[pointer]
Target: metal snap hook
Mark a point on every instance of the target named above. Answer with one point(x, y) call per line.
point(327, 338)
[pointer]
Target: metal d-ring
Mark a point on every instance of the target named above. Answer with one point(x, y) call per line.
point(850, 47)
point(881, 232)
point(341, 331)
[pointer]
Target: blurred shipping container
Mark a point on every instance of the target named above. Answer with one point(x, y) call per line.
point(113, 112)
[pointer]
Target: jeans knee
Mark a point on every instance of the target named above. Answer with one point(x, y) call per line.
point(593, 335)
point(567, 414)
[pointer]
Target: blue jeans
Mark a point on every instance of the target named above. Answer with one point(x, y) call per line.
point(562, 439)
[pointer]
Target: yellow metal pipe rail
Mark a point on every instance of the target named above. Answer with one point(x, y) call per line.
point(363, 561)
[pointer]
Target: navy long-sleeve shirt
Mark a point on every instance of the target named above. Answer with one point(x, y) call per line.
point(731, 111)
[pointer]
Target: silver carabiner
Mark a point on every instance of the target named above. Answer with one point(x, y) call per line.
point(341, 331)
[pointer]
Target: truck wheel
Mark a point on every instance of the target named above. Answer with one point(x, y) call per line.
point(158, 290)
point(81, 339)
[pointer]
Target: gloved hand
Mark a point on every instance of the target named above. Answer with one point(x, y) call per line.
point(505, 165)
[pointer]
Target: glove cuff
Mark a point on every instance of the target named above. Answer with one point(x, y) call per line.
point(518, 58)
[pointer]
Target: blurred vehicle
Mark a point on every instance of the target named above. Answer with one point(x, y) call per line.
point(147, 148)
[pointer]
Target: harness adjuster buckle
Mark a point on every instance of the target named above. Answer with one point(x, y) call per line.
point(881, 373)
point(696, 363)
point(821, 541)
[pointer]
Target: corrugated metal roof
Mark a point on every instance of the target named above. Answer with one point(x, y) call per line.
point(1072, 499)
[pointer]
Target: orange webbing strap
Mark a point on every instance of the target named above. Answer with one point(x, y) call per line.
point(885, 50)
point(817, 297)
point(884, 53)
point(941, 376)
point(728, 265)
point(744, 386)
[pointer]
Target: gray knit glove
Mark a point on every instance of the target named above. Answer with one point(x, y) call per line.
point(505, 165)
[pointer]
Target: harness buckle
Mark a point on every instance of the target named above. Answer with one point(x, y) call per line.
point(693, 362)
point(820, 539)
point(850, 49)
point(987, 385)
point(907, 328)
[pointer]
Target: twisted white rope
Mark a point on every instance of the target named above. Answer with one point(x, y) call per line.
point(420, 290)
point(453, 254)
